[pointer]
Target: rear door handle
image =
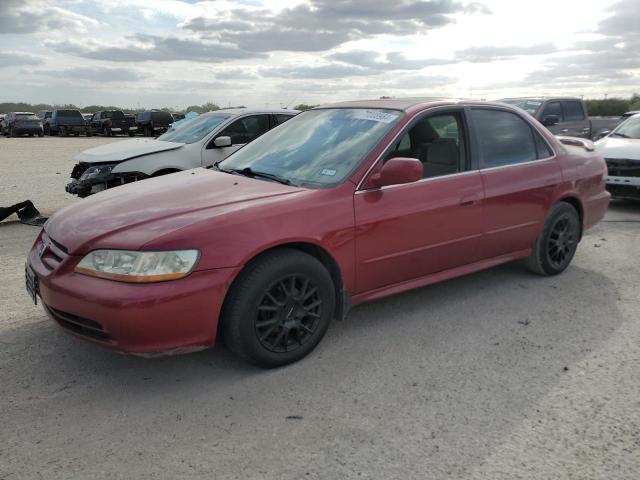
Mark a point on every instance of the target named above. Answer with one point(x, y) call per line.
point(469, 200)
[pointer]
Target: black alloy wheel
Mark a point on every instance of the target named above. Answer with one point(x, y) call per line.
point(562, 241)
point(279, 308)
point(557, 244)
point(288, 314)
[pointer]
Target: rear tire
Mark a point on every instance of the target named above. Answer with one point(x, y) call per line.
point(557, 243)
point(278, 309)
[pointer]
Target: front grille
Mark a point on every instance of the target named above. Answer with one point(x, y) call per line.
point(52, 253)
point(623, 167)
point(81, 326)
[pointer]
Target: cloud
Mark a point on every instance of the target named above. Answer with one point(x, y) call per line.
point(10, 59)
point(235, 74)
point(490, 54)
point(612, 57)
point(392, 60)
point(97, 74)
point(324, 24)
point(141, 47)
point(22, 17)
point(328, 71)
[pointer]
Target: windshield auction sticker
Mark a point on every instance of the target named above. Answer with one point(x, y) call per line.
point(374, 116)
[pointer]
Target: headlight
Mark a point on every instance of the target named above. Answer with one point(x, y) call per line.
point(97, 171)
point(138, 267)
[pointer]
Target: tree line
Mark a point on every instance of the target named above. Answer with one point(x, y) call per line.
point(36, 107)
point(613, 107)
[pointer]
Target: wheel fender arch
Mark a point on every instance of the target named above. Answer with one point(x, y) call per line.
point(315, 250)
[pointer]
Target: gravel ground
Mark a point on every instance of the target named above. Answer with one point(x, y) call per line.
point(37, 169)
point(497, 375)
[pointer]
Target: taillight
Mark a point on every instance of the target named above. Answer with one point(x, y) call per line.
point(108, 122)
point(152, 124)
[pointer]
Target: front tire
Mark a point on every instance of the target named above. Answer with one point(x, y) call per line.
point(557, 243)
point(279, 308)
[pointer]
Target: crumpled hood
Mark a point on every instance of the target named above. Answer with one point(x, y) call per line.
point(132, 215)
point(125, 150)
point(617, 147)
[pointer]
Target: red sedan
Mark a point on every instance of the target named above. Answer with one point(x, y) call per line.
point(342, 204)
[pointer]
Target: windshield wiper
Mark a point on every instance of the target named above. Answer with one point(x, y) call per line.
point(254, 173)
point(617, 134)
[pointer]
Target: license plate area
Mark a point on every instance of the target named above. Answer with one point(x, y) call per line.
point(31, 283)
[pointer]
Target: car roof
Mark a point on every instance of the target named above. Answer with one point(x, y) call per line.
point(23, 113)
point(244, 111)
point(542, 99)
point(410, 104)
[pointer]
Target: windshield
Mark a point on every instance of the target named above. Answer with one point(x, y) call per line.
point(629, 129)
point(191, 131)
point(316, 148)
point(529, 105)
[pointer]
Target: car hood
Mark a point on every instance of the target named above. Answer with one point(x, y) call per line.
point(125, 150)
point(616, 147)
point(132, 215)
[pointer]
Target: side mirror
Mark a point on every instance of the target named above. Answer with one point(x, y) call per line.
point(222, 142)
point(550, 120)
point(397, 171)
point(601, 134)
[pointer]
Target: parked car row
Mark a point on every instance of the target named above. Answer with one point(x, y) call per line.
point(336, 206)
point(65, 122)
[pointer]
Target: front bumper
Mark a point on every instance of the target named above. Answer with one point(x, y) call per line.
point(623, 186)
point(153, 319)
point(84, 188)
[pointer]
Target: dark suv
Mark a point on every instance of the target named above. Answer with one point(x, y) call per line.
point(64, 122)
point(154, 122)
point(22, 123)
point(561, 115)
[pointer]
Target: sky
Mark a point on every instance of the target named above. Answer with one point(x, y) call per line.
point(173, 53)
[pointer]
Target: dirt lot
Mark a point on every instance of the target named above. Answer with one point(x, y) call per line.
point(498, 375)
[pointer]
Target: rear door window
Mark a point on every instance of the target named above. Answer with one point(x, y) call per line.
point(573, 111)
point(246, 129)
point(553, 108)
point(503, 138)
